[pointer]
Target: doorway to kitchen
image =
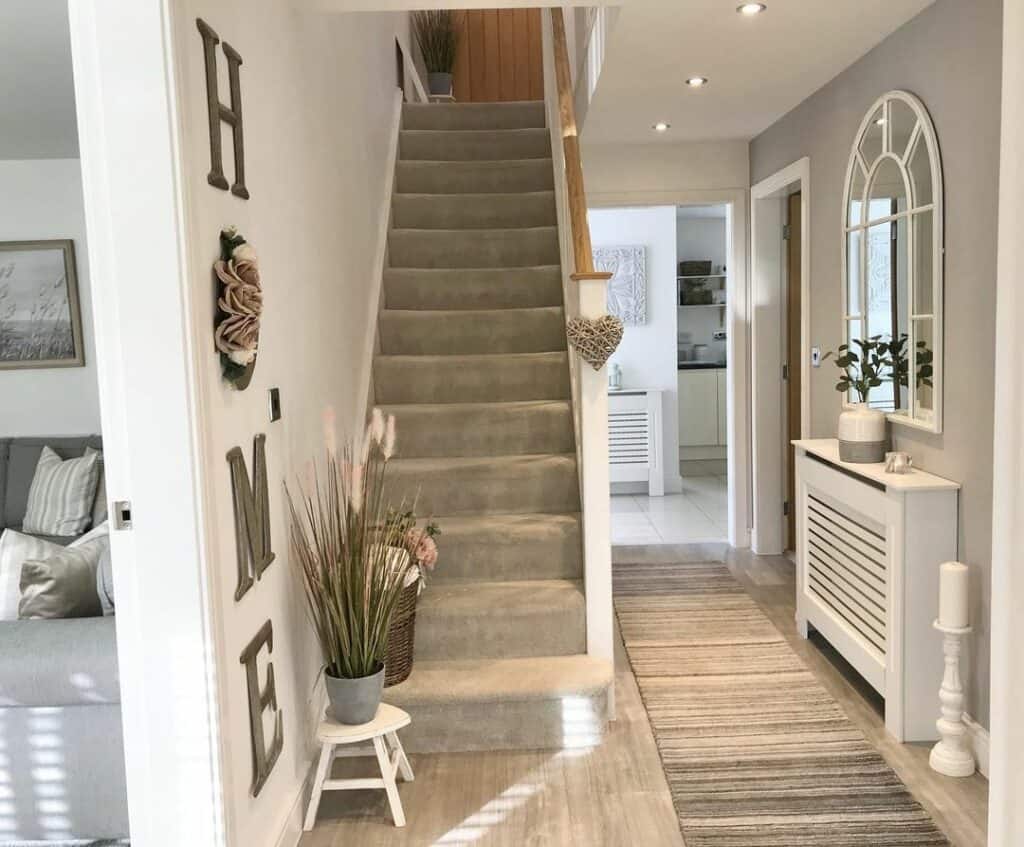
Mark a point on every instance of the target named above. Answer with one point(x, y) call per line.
point(672, 390)
point(702, 362)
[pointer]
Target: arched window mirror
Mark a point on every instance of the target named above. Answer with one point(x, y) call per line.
point(892, 255)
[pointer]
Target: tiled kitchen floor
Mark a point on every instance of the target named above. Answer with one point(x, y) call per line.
point(700, 513)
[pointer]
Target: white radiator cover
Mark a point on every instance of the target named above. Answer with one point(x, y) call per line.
point(869, 546)
point(634, 438)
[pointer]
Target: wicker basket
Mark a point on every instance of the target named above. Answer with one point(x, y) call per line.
point(698, 267)
point(401, 637)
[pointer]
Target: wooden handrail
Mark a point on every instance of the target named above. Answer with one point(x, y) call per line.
point(581, 248)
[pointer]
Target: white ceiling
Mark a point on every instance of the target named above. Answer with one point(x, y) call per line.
point(37, 95)
point(759, 67)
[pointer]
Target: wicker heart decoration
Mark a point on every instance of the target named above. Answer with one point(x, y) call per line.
point(595, 339)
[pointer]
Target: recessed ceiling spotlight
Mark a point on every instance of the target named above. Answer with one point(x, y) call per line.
point(661, 126)
point(697, 81)
point(750, 9)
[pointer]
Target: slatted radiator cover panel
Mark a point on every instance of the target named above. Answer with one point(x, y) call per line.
point(846, 567)
point(629, 437)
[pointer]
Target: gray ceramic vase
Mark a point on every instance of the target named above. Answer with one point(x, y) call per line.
point(355, 701)
point(439, 83)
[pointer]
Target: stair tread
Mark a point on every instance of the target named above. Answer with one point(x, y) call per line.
point(469, 116)
point(483, 314)
point(473, 195)
point(502, 680)
point(445, 408)
point(515, 130)
point(469, 358)
point(427, 464)
point(478, 233)
point(480, 598)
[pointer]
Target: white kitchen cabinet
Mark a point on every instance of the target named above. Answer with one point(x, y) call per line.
point(702, 407)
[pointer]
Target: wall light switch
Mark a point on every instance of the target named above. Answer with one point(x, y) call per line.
point(815, 357)
point(275, 404)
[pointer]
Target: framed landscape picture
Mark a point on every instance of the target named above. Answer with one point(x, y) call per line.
point(40, 318)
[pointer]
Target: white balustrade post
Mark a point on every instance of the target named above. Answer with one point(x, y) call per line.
point(597, 549)
point(951, 755)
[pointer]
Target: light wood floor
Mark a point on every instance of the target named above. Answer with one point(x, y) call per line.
point(616, 795)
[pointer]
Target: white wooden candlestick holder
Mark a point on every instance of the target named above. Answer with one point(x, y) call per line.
point(951, 756)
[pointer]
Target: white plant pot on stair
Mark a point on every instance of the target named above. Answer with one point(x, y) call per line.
point(862, 436)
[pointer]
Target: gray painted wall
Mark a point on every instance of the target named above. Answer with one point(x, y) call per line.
point(949, 56)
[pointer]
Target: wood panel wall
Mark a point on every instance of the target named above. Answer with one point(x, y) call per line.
point(499, 56)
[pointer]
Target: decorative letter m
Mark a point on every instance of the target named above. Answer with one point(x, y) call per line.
point(252, 514)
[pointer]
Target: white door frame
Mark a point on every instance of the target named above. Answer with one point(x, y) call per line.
point(737, 342)
point(130, 158)
point(1006, 812)
point(767, 344)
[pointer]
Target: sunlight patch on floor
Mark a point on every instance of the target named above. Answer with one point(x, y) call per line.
point(581, 733)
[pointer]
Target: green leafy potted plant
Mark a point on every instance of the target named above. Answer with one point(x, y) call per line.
point(437, 38)
point(862, 437)
point(353, 564)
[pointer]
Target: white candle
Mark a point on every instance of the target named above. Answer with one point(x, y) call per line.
point(954, 594)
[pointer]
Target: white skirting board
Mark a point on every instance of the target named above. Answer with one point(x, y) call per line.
point(979, 743)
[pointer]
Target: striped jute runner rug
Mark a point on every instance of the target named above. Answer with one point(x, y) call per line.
point(756, 752)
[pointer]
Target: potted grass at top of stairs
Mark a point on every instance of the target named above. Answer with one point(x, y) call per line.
point(353, 564)
point(437, 38)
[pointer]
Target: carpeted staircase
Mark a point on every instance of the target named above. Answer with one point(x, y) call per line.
point(473, 364)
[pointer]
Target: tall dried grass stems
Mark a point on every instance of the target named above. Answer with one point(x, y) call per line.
point(437, 38)
point(345, 548)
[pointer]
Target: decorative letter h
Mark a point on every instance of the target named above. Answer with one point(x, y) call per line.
point(219, 112)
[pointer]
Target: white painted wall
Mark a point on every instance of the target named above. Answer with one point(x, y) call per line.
point(647, 353)
point(701, 238)
point(41, 199)
point(318, 99)
point(662, 167)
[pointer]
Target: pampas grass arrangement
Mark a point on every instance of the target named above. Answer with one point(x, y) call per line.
point(351, 557)
point(437, 38)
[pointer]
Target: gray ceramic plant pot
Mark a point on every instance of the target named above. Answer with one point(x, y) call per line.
point(439, 83)
point(355, 701)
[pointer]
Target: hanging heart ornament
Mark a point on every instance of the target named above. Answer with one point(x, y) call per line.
point(595, 339)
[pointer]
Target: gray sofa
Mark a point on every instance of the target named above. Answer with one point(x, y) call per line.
point(60, 700)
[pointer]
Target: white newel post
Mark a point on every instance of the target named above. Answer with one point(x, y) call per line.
point(597, 552)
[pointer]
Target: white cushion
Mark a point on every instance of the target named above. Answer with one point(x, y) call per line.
point(15, 549)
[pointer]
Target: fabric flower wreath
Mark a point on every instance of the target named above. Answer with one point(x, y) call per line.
point(240, 304)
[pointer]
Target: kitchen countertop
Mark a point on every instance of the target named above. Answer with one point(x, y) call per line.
point(700, 366)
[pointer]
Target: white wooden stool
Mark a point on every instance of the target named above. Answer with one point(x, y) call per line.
point(382, 730)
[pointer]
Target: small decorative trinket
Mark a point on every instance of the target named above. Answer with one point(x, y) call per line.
point(595, 339)
point(898, 462)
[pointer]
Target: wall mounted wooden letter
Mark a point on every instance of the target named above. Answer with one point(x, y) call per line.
point(252, 514)
point(263, 760)
point(219, 112)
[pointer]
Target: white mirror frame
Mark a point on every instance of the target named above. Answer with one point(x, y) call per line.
point(930, 420)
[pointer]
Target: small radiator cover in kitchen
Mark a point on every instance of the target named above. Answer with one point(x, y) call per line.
point(634, 439)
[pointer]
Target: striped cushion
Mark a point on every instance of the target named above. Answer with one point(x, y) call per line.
point(62, 494)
